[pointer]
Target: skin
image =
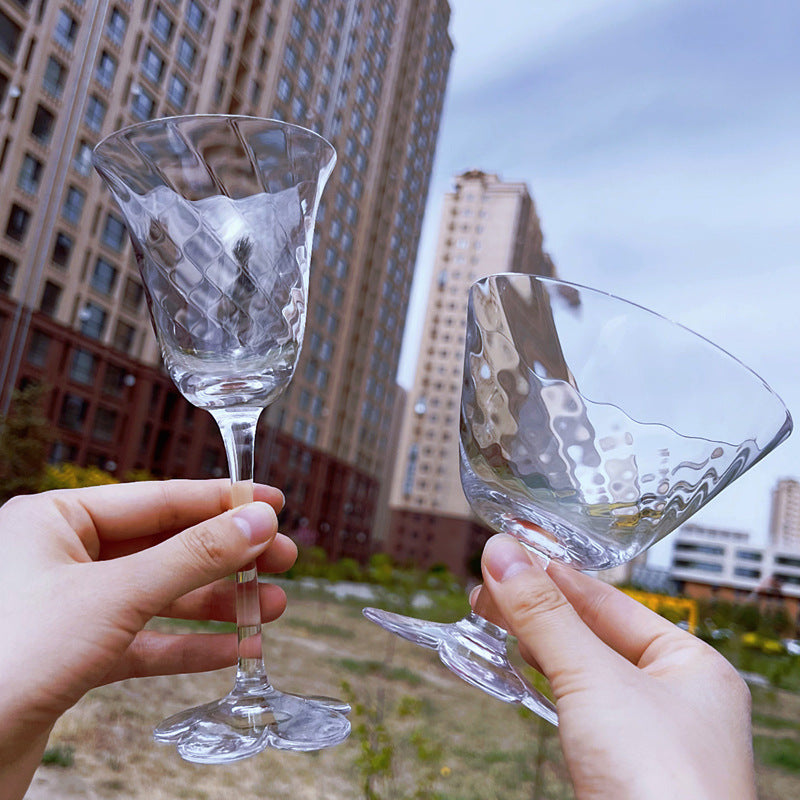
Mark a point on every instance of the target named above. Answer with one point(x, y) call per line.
point(646, 710)
point(84, 570)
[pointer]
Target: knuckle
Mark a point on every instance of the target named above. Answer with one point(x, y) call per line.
point(536, 600)
point(206, 546)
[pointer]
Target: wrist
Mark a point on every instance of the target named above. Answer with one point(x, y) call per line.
point(19, 758)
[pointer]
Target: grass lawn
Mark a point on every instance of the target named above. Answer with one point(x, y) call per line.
point(423, 732)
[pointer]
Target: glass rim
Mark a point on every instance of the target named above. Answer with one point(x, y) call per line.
point(545, 279)
point(161, 121)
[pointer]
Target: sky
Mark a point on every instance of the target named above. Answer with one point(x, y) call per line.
point(660, 140)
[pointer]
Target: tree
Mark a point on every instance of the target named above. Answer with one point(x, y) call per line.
point(24, 442)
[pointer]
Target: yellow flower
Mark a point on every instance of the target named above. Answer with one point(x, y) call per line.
point(445, 771)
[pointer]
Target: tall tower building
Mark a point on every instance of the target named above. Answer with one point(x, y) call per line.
point(369, 75)
point(784, 526)
point(487, 226)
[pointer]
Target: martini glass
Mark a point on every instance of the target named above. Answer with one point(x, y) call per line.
point(221, 211)
point(590, 428)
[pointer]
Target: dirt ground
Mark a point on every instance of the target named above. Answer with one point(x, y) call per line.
point(447, 739)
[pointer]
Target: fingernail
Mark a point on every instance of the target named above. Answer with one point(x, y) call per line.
point(256, 521)
point(473, 595)
point(504, 557)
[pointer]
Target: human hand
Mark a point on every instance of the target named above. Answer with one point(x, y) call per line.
point(646, 711)
point(84, 570)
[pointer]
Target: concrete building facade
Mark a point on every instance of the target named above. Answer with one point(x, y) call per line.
point(487, 226)
point(784, 525)
point(369, 75)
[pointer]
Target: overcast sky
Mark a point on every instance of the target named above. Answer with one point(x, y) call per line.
point(660, 140)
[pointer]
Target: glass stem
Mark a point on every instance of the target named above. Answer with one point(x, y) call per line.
point(238, 428)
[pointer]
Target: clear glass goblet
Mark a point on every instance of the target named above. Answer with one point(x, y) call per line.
point(221, 211)
point(590, 428)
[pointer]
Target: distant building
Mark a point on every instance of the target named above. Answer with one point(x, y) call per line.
point(713, 562)
point(784, 525)
point(487, 226)
point(369, 75)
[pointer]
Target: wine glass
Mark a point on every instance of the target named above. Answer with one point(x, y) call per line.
point(221, 211)
point(590, 428)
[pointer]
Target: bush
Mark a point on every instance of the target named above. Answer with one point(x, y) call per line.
point(71, 476)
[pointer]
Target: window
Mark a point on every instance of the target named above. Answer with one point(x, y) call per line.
point(93, 321)
point(42, 128)
point(746, 572)
point(18, 220)
point(62, 249)
point(113, 233)
point(105, 424)
point(66, 30)
point(290, 57)
point(115, 380)
point(8, 269)
point(106, 69)
point(83, 367)
point(82, 162)
point(311, 50)
point(10, 34)
point(95, 112)
point(51, 294)
point(296, 29)
point(55, 76)
point(187, 53)
point(162, 25)
point(38, 349)
point(195, 16)
point(152, 65)
point(73, 205)
point(104, 276)
point(298, 109)
point(30, 174)
point(124, 336)
point(177, 92)
point(143, 104)
point(115, 30)
point(284, 88)
point(132, 295)
point(73, 412)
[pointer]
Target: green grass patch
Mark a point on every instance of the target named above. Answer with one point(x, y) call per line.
point(774, 723)
point(358, 667)
point(783, 753)
point(59, 756)
point(198, 625)
point(321, 628)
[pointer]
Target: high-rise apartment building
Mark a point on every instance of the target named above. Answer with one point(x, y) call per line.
point(487, 226)
point(369, 75)
point(784, 525)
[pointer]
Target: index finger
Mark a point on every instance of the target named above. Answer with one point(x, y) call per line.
point(620, 621)
point(131, 510)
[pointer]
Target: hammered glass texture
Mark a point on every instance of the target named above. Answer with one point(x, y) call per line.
point(221, 215)
point(591, 427)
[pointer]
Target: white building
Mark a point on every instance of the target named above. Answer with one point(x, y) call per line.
point(716, 562)
point(784, 525)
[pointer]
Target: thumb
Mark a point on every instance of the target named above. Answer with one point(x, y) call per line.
point(537, 613)
point(197, 556)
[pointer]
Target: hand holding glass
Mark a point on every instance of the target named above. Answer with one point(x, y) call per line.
point(590, 429)
point(221, 211)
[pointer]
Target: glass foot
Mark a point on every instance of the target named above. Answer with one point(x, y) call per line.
point(473, 649)
point(247, 721)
